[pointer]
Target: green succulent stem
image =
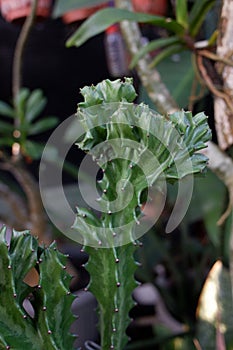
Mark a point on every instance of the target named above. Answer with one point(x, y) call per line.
point(135, 148)
point(47, 325)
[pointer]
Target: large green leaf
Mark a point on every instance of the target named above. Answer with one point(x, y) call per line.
point(101, 20)
point(208, 208)
point(153, 45)
point(182, 12)
point(198, 14)
point(49, 327)
point(167, 52)
point(62, 6)
point(178, 74)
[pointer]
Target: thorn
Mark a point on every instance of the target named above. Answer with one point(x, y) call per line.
point(25, 316)
point(116, 309)
point(114, 234)
point(9, 267)
point(118, 284)
point(55, 248)
point(114, 330)
point(44, 308)
point(14, 295)
point(109, 212)
point(40, 260)
point(84, 216)
point(8, 347)
point(49, 331)
point(112, 347)
point(105, 191)
point(64, 267)
point(68, 293)
point(117, 261)
point(39, 286)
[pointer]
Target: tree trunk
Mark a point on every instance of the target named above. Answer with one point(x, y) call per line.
point(224, 106)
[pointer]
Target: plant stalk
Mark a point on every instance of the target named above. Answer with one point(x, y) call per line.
point(19, 53)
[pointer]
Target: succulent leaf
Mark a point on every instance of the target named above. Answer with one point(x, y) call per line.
point(51, 300)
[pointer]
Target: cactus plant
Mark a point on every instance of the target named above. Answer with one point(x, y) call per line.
point(135, 148)
point(48, 326)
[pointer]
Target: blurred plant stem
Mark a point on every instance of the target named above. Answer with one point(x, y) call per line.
point(219, 162)
point(19, 52)
point(31, 214)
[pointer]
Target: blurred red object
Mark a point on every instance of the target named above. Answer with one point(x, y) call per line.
point(12, 10)
point(153, 7)
point(81, 14)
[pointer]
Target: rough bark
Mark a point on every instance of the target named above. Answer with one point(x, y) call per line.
point(224, 106)
point(149, 77)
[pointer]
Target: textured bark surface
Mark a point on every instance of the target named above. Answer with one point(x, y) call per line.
point(149, 77)
point(224, 106)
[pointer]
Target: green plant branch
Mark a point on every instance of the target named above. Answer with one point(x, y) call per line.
point(149, 77)
point(19, 52)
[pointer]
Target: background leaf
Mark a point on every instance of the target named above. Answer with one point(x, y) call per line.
point(102, 19)
point(6, 110)
point(182, 12)
point(62, 6)
point(153, 45)
point(198, 14)
point(178, 74)
point(35, 105)
point(42, 125)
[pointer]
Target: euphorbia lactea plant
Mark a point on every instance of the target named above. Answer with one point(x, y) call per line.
point(136, 148)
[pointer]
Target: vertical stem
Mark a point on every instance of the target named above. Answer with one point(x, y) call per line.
point(37, 221)
point(150, 78)
point(19, 52)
